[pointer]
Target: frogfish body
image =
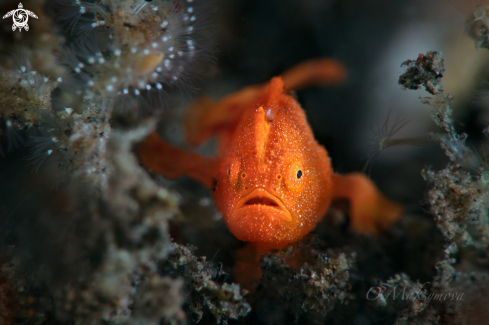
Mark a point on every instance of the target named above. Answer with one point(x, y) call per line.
point(271, 180)
point(274, 181)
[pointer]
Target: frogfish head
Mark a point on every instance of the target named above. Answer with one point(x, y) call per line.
point(275, 179)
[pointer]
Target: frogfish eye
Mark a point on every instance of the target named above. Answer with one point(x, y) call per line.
point(294, 177)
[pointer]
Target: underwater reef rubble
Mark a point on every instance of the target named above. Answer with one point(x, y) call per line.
point(89, 253)
point(207, 284)
point(88, 236)
point(426, 71)
point(459, 201)
point(308, 292)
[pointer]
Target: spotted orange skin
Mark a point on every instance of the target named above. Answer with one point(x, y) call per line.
point(290, 146)
point(264, 141)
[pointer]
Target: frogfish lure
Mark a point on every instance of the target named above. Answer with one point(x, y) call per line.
point(271, 180)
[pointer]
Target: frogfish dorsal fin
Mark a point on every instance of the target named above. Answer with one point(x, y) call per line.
point(265, 114)
point(262, 131)
point(272, 100)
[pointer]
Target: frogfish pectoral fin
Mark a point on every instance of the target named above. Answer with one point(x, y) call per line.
point(370, 211)
point(173, 162)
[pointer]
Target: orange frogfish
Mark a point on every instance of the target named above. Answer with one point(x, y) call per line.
point(271, 180)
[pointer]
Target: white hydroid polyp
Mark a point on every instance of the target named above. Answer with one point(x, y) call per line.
point(474, 12)
point(133, 45)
